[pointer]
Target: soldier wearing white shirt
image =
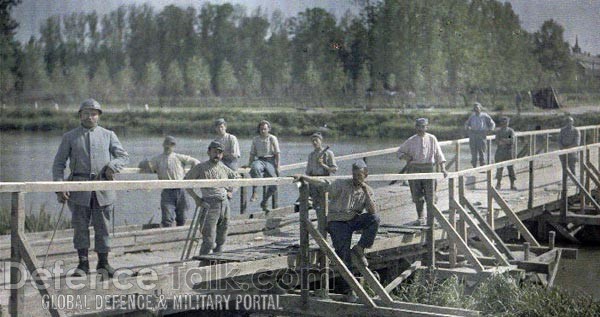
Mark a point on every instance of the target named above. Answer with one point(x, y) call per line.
point(170, 166)
point(477, 126)
point(231, 146)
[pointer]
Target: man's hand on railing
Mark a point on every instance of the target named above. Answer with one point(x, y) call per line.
point(62, 197)
point(298, 177)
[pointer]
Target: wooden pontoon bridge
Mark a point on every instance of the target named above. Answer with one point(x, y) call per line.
point(290, 252)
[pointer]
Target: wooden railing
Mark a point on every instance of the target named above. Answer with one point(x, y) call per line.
point(21, 250)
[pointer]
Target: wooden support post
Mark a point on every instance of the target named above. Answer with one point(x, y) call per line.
point(490, 200)
point(453, 235)
point(430, 240)
point(17, 224)
point(581, 154)
point(526, 251)
point(323, 260)
point(583, 190)
point(556, 265)
point(547, 142)
point(516, 147)
point(462, 225)
point(514, 218)
point(304, 243)
point(530, 195)
point(564, 193)
point(551, 239)
point(452, 220)
point(243, 201)
point(591, 175)
point(342, 268)
point(489, 151)
point(372, 281)
point(457, 156)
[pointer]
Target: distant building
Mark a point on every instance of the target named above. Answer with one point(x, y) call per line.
point(587, 64)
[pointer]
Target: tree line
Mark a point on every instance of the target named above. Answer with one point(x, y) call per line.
point(434, 51)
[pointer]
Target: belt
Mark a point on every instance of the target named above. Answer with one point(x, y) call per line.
point(90, 176)
point(265, 157)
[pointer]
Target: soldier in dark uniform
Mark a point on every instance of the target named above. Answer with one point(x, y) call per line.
point(505, 140)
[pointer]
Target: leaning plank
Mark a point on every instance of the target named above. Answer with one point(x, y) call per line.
point(32, 265)
point(554, 272)
point(372, 281)
point(327, 308)
point(514, 218)
point(564, 232)
point(583, 190)
point(489, 245)
point(486, 227)
point(343, 269)
point(453, 235)
point(398, 280)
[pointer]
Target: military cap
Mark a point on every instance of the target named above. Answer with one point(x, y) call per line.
point(220, 121)
point(422, 121)
point(317, 135)
point(359, 164)
point(215, 145)
point(170, 139)
point(90, 104)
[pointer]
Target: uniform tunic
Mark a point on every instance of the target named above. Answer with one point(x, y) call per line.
point(477, 126)
point(88, 151)
point(505, 140)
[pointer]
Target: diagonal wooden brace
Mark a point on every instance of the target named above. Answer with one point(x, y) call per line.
point(583, 190)
point(372, 280)
point(455, 237)
point(343, 269)
point(514, 218)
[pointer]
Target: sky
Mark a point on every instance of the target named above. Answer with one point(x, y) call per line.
point(578, 17)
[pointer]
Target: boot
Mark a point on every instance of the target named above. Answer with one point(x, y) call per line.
point(83, 268)
point(420, 216)
point(499, 184)
point(512, 185)
point(103, 267)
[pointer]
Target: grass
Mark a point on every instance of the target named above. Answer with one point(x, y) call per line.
point(499, 295)
point(35, 222)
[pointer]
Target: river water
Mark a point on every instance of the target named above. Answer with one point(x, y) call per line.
point(28, 157)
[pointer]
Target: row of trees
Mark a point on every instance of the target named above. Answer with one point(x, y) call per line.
point(428, 49)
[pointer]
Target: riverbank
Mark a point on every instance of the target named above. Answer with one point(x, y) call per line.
point(444, 123)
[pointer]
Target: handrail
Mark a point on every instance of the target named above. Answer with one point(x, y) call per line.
point(206, 183)
point(348, 157)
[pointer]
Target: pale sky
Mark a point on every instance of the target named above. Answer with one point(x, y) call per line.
point(578, 17)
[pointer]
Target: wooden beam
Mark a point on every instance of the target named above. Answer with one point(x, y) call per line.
point(556, 265)
point(32, 265)
point(402, 277)
point(482, 236)
point(582, 189)
point(514, 218)
point(304, 243)
point(17, 224)
point(488, 230)
point(342, 268)
point(454, 236)
point(591, 174)
point(372, 280)
point(564, 232)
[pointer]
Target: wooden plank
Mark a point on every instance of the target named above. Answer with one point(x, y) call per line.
point(482, 236)
point(564, 232)
point(342, 268)
point(468, 273)
point(32, 265)
point(304, 243)
point(402, 277)
point(488, 230)
point(453, 235)
point(554, 272)
point(514, 218)
point(490, 202)
point(583, 190)
point(17, 223)
point(591, 174)
point(372, 280)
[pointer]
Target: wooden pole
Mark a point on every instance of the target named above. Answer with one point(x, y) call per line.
point(547, 142)
point(526, 251)
point(564, 204)
point(551, 239)
point(531, 172)
point(304, 244)
point(582, 179)
point(431, 240)
point(489, 151)
point(490, 200)
point(243, 201)
point(323, 260)
point(17, 224)
point(462, 225)
point(457, 161)
point(452, 220)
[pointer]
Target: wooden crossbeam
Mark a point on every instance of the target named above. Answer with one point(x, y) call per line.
point(482, 236)
point(455, 237)
point(402, 277)
point(488, 230)
point(591, 174)
point(342, 268)
point(372, 280)
point(32, 265)
point(583, 190)
point(514, 218)
point(593, 168)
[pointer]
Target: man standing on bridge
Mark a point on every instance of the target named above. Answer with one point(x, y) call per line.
point(569, 137)
point(170, 166)
point(214, 201)
point(422, 151)
point(477, 126)
point(505, 140)
point(231, 147)
point(94, 153)
point(349, 197)
point(321, 162)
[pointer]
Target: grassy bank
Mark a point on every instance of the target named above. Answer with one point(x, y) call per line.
point(499, 295)
point(35, 222)
point(382, 124)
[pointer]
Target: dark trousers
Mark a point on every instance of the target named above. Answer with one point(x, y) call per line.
point(99, 216)
point(173, 206)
